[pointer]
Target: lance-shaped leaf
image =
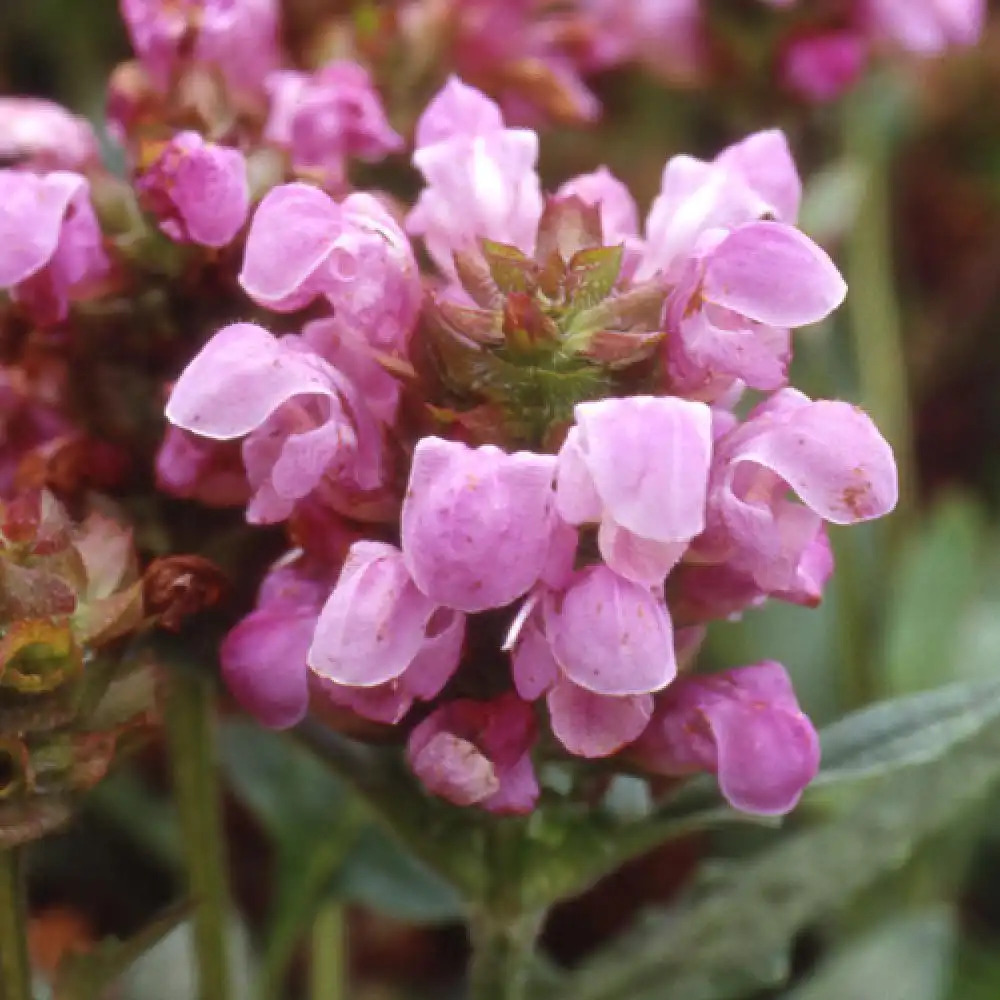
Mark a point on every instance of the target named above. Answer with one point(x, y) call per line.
point(698, 947)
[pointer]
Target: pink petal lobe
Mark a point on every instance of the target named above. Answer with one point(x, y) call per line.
point(773, 274)
point(373, 625)
point(594, 725)
point(476, 523)
point(291, 235)
point(610, 635)
point(238, 379)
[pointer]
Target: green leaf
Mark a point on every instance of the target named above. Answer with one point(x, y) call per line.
point(908, 958)
point(758, 907)
point(289, 790)
point(381, 874)
point(906, 731)
point(327, 846)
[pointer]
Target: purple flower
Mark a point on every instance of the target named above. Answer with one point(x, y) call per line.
point(50, 242)
point(40, 135)
point(597, 649)
point(481, 179)
point(829, 453)
point(925, 27)
point(379, 633)
point(746, 182)
point(665, 35)
point(478, 753)
point(303, 244)
point(236, 38)
point(197, 190)
point(477, 523)
point(304, 424)
point(736, 300)
point(745, 726)
point(328, 116)
point(639, 468)
point(264, 657)
point(820, 67)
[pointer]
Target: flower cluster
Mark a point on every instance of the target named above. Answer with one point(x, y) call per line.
point(517, 484)
point(530, 477)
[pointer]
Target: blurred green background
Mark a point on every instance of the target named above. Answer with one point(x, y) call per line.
point(903, 185)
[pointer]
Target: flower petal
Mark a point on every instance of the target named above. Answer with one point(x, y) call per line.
point(476, 523)
point(373, 625)
point(239, 378)
point(611, 636)
point(649, 458)
point(595, 725)
point(291, 235)
point(773, 274)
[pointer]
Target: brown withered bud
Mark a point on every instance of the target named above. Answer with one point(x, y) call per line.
point(71, 465)
point(177, 587)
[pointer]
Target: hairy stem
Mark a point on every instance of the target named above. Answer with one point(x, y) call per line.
point(502, 950)
point(190, 726)
point(15, 966)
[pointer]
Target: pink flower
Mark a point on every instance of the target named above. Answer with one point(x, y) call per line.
point(665, 35)
point(741, 292)
point(326, 117)
point(477, 524)
point(596, 648)
point(748, 181)
point(478, 753)
point(829, 453)
point(518, 48)
point(304, 424)
point(197, 190)
point(237, 38)
point(39, 135)
point(350, 353)
point(820, 67)
point(50, 242)
point(264, 657)
point(926, 27)
point(481, 179)
point(706, 591)
point(196, 468)
point(745, 726)
point(379, 642)
point(303, 244)
point(639, 468)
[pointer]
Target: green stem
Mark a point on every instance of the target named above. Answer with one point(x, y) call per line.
point(15, 967)
point(329, 968)
point(501, 955)
point(873, 306)
point(190, 727)
point(876, 328)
